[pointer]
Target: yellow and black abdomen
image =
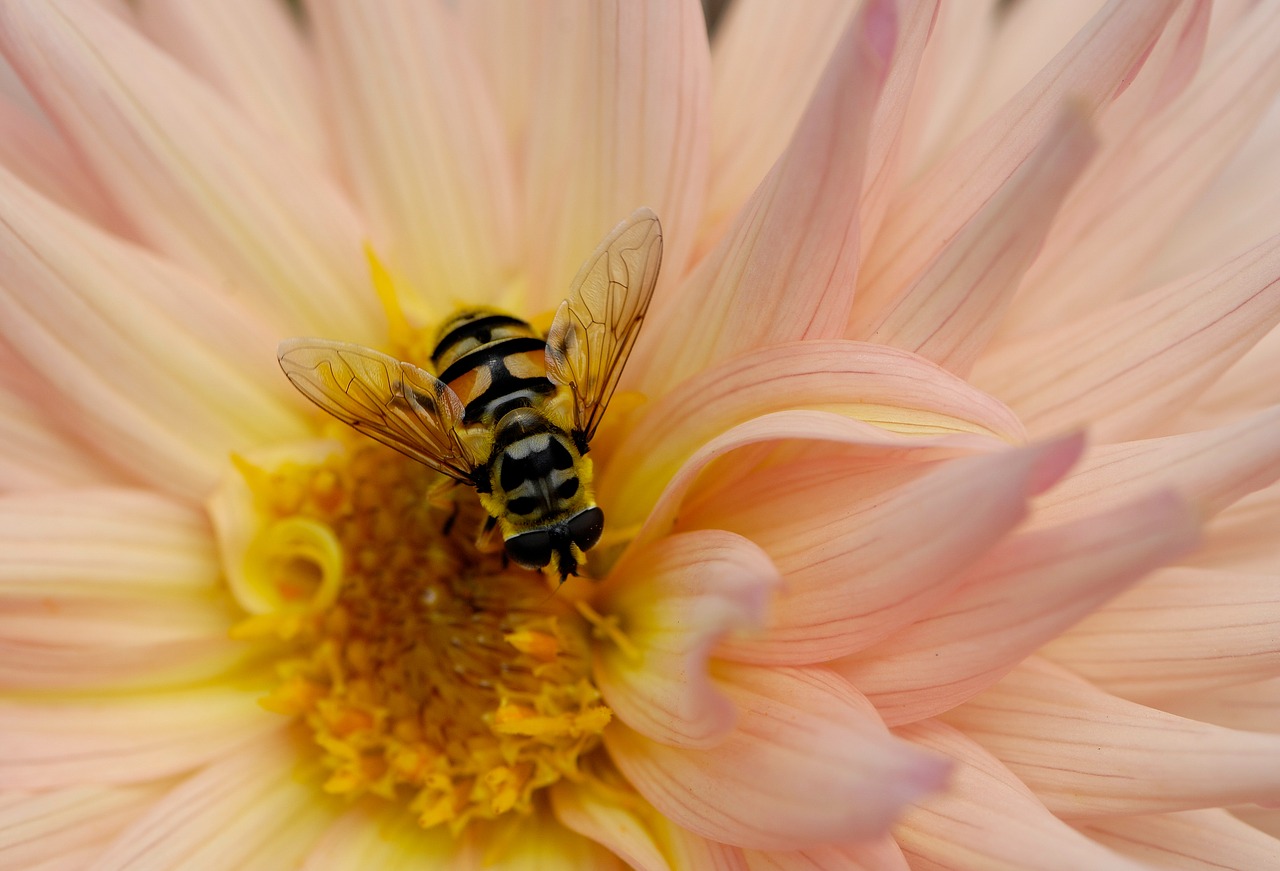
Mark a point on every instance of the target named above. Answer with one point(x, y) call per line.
point(494, 363)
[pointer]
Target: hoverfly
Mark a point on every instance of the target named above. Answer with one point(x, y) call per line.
point(509, 411)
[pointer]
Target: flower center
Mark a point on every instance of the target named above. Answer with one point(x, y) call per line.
point(426, 668)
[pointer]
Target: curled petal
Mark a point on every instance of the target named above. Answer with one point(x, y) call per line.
point(1205, 839)
point(675, 600)
point(1181, 631)
point(1087, 753)
point(857, 569)
point(808, 762)
point(987, 819)
point(1022, 594)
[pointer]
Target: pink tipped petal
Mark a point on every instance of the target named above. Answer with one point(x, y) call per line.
point(1204, 840)
point(1211, 469)
point(1180, 632)
point(196, 177)
point(124, 738)
point(951, 310)
point(987, 820)
point(895, 390)
point(1089, 71)
point(808, 762)
point(676, 600)
point(149, 366)
point(882, 854)
point(250, 810)
point(775, 52)
point(254, 53)
point(1130, 367)
point(1022, 594)
point(856, 570)
point(1121, 215)
point(50, 829)
point(792, 234)
point(423, 146)
point(644, 68)
point(1086, 753)
point(101, 543)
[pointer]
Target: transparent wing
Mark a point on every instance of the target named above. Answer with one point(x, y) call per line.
point(596, 327)
point(396, 403)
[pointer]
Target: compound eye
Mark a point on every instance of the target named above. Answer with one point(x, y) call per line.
point(530, 549)
point(585, 527)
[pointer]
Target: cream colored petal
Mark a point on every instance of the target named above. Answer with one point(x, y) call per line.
point(254, 53)
point(676, 599)
point(785, 269)
point(951, 310)
point(139, 359)
point(104, 543)
point(808, 763)
point(1253, 707)
point(882, 854)
point(1180, 632)
point(1204, 840)
point(197, 179)
point(62, 825)
point(250, 811)
point(376, 835)
point(619, 120)
point(544, 845)
point(856, 569)
point(33, 151)
point(1089, 71)
point(1210, 469)
point(505, 38)
point(422, 143)
point(1088, 754)
point(615, 817)
point(895, 390)
point(766, 59)
point(1120, 216)
point(47, 744)
point(1023, 593)
point(1127, 369)
point(987, 820)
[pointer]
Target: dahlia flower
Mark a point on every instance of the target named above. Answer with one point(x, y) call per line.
point(940, 486)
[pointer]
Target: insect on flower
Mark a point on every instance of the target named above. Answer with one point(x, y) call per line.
point(510, 412)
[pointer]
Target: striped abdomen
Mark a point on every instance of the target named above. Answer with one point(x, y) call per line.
point(494, 363)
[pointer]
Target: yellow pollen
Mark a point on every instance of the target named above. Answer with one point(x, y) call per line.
point(428, 670)
point(607, 629)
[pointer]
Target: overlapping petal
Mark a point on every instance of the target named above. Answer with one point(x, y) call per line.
point(67, 828)
point(1201, 840)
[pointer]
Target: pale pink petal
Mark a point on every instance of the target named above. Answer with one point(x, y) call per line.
point(644, 69)
point(766, 59)
point(881, 854)
point(253, 52)
point(1263, 820)
point(987, 820)
point(856, 569)
point(792, 234)
point(146, 364)
point(1180, 632)
point(952, 308)
point(1087, 754)
point(1025, 592)
point(423, 146)
point(250, 811)
point(1128, 368)
point(895, 390)
point(1243, 538)
point(505, 40)
point(676, 599)
point(1204, 840)
point(1121, 214)
point(33, 151)
point(195, 176)
point(1253, 707)
point(1211, 469)
point(808, 762)
point(376, 835)
point(126, 738)
point(100, 543)
point(1248, 386)
point(51, 829)
point(1089, 71)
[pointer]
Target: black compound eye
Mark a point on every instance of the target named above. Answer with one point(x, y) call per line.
point(585, 527)
point(530, 549)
